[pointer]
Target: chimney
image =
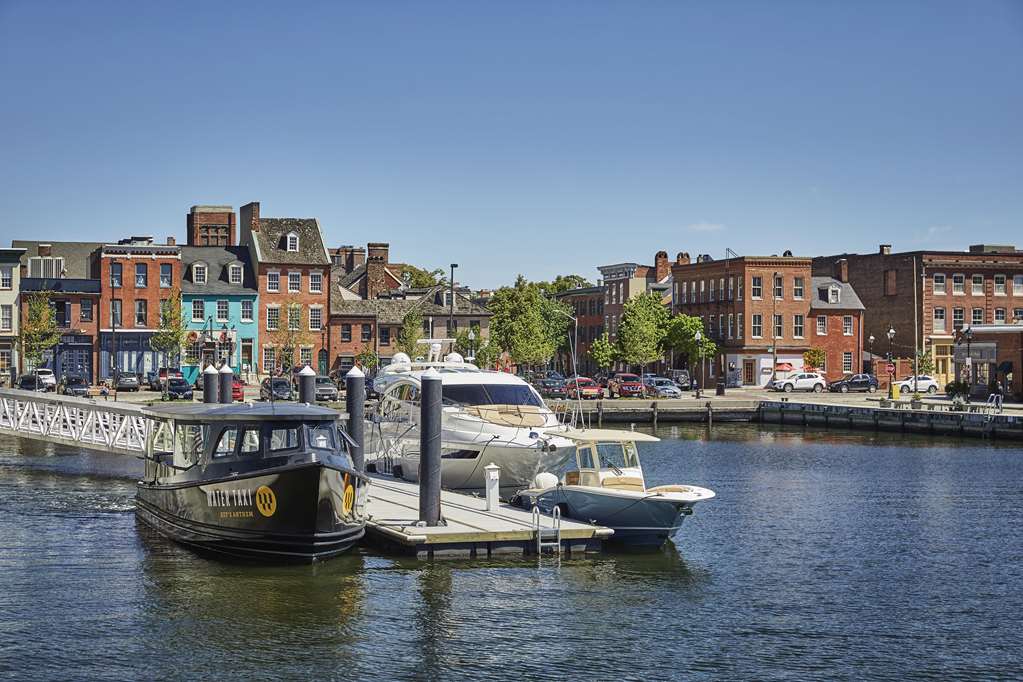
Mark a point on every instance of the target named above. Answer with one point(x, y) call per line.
point(376, 279)
point(842, 269)
point(886, 249)
point(661, 266)
point(171, 241)
point(249, 217)
point(378, 251)
point(44, 250)
point(682, 258)
point(358, 257)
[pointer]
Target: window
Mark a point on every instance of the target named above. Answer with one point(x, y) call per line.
point(757, 288)
point(834, 295)
point(141, 275)
point(294, 282)
point(305, 356)
point(6, 318)
point(223, 311)
point(847, 361)
point(250, 442)
point(294, 318)
point(1017, 285)
point(798, 324)
point(235, 274)
point(939, 283)
point(273, 281)
point(346, 332)
point(721, 326)
point(977, 285)
point(6, 360)
point(977, 316)
point(246, 311)
point(713, 295)
point(367, 332)
point(198, 310)
point(958, 318)
point(742, 283)
point(165, 276)
point(999, 315)
point(779, 327)
point(891, 281)
point(140, 313)
point(731, 324)
point(778, 288)
point(847, 325)
point(1017, 314)
point(85, 310)
point(385, 336)
point(703, 285)
point(199, 273)
point(824, 363)
point(315, 319)
point(822, 325)
point(115, 274)
point(939, 319)
point(731, 288)
point(273, 317)
point(316, 282)
point(757, 326)
point(115, 312)
point(268, 359)
point(999, 285)
point(225, 446)
point(284, 439)
point(798, 287)
point(292, 240)
point(6, 277)
point(958, 284)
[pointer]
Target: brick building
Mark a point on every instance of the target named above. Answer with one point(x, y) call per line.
point(996, 352)
point(136, 277)
point(210, 226)
point(927, 296)
point(10, 288)
point(587, 305)
point(293, 280)
point(368, 272)
point(764, 312)
point(624, 281)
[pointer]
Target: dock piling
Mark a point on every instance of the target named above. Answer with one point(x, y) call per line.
point(210, 385)
point(307, 385)
point(226, 384)
point(493, 478)
point(429, 448)
point(355, 405)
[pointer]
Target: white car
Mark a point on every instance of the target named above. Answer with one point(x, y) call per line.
point(803, 381)
point(47, 379)
point(924, 384)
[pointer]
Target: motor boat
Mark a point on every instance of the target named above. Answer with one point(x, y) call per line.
point(487, 417)
point(606, 487)
point(268, 481)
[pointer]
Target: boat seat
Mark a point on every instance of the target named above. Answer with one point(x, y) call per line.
point(670, 489)
point(509, 415)
point(623, 483)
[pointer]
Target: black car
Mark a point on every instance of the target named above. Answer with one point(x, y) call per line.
point(76, 385)
point(30, 382)
point(179, 388)
point(854, 382)
point(551, 387)
point(276, 388)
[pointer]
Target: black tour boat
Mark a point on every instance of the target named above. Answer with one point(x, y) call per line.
point(269, 481)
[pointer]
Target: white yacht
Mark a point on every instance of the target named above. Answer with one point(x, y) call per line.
point(487, 417)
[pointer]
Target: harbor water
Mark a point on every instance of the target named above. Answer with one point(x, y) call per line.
point(833, 555)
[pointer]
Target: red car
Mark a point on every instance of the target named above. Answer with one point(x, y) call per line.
point(625, 385)
point(584, 388)
point(238, 390)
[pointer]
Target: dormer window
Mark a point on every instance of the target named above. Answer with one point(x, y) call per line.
point(833, 295)
point(235, 272)
point(199, 273)
point(292, 241)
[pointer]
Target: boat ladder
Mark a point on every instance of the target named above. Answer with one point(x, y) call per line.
point(547, 538)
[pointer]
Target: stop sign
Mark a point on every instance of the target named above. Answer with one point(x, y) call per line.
point(891, 368)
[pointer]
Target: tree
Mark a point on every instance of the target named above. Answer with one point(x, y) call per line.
point(642, 330)
point(813, 358)
point(564, 283)
point(487, 354)
point(526, 323)
point(407, 340)
point(680, 336)
point(418, 278)
point(925, 363)
point(289, 335)
point(170, 337)
point(39, 332)
point(367, 358)
point(603, 352)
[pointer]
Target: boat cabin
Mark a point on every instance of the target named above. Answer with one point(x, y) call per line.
point(606, 458)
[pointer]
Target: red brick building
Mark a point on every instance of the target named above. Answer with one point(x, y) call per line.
point(210, 226)
point(927, 296)
point(764, 312)
point(996, 352)
point(293, 275)
point(367, 273)
point(588, 308)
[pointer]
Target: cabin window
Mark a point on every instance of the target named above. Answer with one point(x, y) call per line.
point(251, 442)
point(225, 446)
point(189, 442)
point(586, 458)
point(322, 436)
point(284, 439)
point(617, 455)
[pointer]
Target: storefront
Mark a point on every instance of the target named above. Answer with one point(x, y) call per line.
point(210, 346)
point(128, 352)
point(990, 358)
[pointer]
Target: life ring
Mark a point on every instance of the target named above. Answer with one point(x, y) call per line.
point(193, 337)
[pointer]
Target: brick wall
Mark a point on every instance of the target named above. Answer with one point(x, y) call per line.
point(355, 345)
point(282, 299)
point(836, 342)
point(128, 293)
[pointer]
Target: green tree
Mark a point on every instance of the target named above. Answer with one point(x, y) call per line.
point(417, 278)
point(603, 352)
point(367, 358)
point(680, 336)
point(526, 323)
point(642, 330)
point(925, 363)
point(487, 354)
point(39, 331)
point(170, 336)
point(289, 335)
point(813, 358)
point(411, 330)
point(564, 283)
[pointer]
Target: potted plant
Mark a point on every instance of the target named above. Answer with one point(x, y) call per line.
point(916, 401)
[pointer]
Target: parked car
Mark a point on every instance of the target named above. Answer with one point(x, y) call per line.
point(47, 378)
point(30, 382)
point(622, 385)
point(923, 384)
point(76, 385)
point(551, 387)
point(178, 388)
point(156, 378)
point(325, 389)
point(276, 388)
point(802, 381)
point(237, 390)
point(126, 382)
point(681, 378)
point(583, 387)
point(854, 382)
point(661, 387)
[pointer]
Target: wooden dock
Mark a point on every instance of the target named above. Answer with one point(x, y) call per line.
point(470, 531)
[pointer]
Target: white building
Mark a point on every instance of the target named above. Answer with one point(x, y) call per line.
point(10, 283)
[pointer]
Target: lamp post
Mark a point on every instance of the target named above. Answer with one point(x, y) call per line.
point(451, 289)
point(698, 337)
point(472, 344)
point(870, 342)
point(774, 338)
point(968, 333)
point(575, 367)
point(891, 359)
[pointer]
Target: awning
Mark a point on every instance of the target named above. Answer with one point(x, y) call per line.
point(1005, 367)
point(784, 367)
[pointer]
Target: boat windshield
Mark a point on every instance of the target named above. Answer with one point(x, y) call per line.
point(489, 394)
point(617, 455)
point(323, 436)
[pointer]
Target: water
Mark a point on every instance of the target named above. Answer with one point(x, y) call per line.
point(824, 556)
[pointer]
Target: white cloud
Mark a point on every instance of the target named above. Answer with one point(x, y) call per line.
point(705, 227)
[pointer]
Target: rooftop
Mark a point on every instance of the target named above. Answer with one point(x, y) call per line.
point(268, 411)
point(271, 240)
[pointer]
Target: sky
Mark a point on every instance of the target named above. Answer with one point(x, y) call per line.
point(539, 138)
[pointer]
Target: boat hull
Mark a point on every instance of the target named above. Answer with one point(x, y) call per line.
point(302, 513)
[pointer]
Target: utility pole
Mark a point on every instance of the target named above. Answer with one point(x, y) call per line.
point(451, 287)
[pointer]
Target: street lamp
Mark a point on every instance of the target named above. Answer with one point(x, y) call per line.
point(774, 337)
point(968, 333)
point(472, 343)
point(870, 342)
point(698, 337)
point(451, 309)
point(891, 360)
point(575, 367)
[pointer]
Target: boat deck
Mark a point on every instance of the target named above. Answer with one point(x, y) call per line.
point(470, 531)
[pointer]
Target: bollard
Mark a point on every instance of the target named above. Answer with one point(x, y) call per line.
point(653, 409)
point(429, 447)
point(355, 405)
point(210, 384)
point(600, 411)
point(226, 383)
point(307, 385)
point(492, 473)
point(710, 415)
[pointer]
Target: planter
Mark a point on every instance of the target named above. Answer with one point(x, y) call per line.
point(885, 402)
point(916, 404)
